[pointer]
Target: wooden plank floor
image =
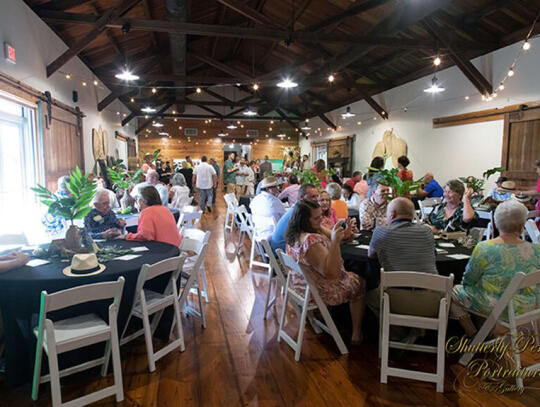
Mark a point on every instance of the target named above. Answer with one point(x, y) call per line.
point(237, 361)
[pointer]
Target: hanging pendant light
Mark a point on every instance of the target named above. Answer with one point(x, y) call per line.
point(348, 113)
point(434, 88)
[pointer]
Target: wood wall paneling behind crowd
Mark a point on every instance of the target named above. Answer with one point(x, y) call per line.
point(210, 144)
point(62, 129)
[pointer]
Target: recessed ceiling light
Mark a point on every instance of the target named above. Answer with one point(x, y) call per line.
point(287, 83)
point(148, 109)
point(157, 124)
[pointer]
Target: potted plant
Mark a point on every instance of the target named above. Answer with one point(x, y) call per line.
point(389, 178)
point(311, 177)
point(337, 153)
point(477, 184)
point(75, 206)
point(122, 180)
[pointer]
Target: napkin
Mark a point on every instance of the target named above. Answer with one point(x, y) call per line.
point(36, 262)
point(458, 256)
point(139, 249)
point(126, 257)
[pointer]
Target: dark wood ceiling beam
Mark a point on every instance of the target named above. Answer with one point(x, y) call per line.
point(111, 97)
point(177, 11)
point(234, 112)
point(264, 34)
point(130, 117)
point(61, 5)
point(248, 12)
point(222, 67)
point(193, 79)
point(153, 116)
point(358, 7)
point(220, 21)
point(466, 31)
point(465, 66)
point(287, 119)
point(215, 113)
point(193, 102)
point(322, 116)
point(474, 17)
point(100, 26)
point(206, 116)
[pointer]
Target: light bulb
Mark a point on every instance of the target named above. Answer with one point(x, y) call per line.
point(437, 61)
point(68, 76)
point(331, 78)
point(198, 90)
point(84, 83)
point(501, 87)
point(154, 90)
point(255, 86)
point(132, 100)
point(95, 83)
point(526, 45)
point(466, 97)
point(511, 72)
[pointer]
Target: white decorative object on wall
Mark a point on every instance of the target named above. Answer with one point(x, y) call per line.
point(390, 146)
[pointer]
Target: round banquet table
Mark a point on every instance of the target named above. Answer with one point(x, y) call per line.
point(356, 259)
point(20, 291)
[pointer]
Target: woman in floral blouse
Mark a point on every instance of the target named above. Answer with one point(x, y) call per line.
point(321, 258)
point(455, 213)
point(492, 266)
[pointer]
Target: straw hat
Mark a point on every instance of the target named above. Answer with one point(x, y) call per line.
point(269, 182)
point(507, 186)
point(82, 265)
point(521, 198)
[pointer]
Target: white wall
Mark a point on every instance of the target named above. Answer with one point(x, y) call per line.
point(36, 46)
point(447, 152)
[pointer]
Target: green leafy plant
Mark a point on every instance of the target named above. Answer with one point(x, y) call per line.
point(491, 171)
point(156, 156)
point(389, 178)
point(121, 178)
point(72, 207)
point(476, 184)
point(311, 177)
point(337, 153)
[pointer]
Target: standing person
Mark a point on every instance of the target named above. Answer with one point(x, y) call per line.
point(304, 165)
point(404, 174)
point(229, 178)
point(250, 179)
point(373, 174)
point(190, 162)
point(240, 177)
point(205, 179)
point(215, 165)
point(257, 170)
point(266, 167)
point(188, 175)
point(148, 165)
point(356, 178)
point(319, 167)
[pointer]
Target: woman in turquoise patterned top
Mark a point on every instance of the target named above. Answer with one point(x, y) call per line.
point(492, 266)
point(456, 212)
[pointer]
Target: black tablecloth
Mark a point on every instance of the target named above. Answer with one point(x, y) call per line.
point(133, 229)
point(20, 292)
point(356, 260)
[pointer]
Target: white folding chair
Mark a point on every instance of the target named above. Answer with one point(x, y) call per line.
point(305, 303)
point(245, 227)
point(189, 220)
point(190, 275)
point(489, 232)
point(426, 206)
point(232, 204)
point(434, 282)
point(265, 223)
point(148, 302)
point(78, 332)
point(276, 276)
point(532, 230)
point(204, 237)
point(519, 282)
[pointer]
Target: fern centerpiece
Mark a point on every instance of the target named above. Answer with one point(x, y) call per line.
point(311, 177)
point(122, 179)
point(72, 207)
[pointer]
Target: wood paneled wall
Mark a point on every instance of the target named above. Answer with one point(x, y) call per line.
point(177, 146)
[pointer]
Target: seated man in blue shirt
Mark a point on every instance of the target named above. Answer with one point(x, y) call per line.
point(431, 189)
point(101, 222)
point(502, 192)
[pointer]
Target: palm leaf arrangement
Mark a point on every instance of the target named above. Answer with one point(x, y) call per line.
point(121, 178)
point(477, 184)
point(389, 178)
point(72, 207)
point(311, 177)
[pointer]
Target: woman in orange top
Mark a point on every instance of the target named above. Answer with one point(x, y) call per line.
point(156, 222)
point(404, 173)
point(338, 204)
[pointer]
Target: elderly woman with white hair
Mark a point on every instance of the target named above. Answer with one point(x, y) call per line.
point(101, 222)
point(492, 266)
point(179, 192)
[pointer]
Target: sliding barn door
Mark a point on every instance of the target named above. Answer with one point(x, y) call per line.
point(521, 145)
point(62, 145)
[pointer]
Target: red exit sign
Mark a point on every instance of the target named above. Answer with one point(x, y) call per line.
point(9, 53)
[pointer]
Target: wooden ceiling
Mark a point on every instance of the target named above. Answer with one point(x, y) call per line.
point(368, 45)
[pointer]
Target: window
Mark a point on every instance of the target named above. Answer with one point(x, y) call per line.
point(19, 168)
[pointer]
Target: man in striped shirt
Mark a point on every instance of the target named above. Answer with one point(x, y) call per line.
point(404, 246)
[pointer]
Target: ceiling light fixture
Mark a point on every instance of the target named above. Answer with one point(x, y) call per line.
point(154, 90)
point(126, 75)
point(526, 45)
point(306, 126)
point(163, 133)
point(437, 61)
point(255, 86)
point(231, 126)
point(511, 72)
point(148, 109)
point(348, 113)
point(157, 124)
point(287, 83)
point(250, 112)
point(198, 90)
point(222, 134)
point(434, 88)
point(281, 135)
point(331, 78)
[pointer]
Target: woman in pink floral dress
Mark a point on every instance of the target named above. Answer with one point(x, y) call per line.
point(321, 258)
point(329, 217)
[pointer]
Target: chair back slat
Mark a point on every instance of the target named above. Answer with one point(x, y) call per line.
point(288, 262)
point(84, 293)
point(414, 279)
point(274, 262)
point(530, 280)
point(151, 271)
point(189, 219)
point(196, 234)
point(532, 230)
